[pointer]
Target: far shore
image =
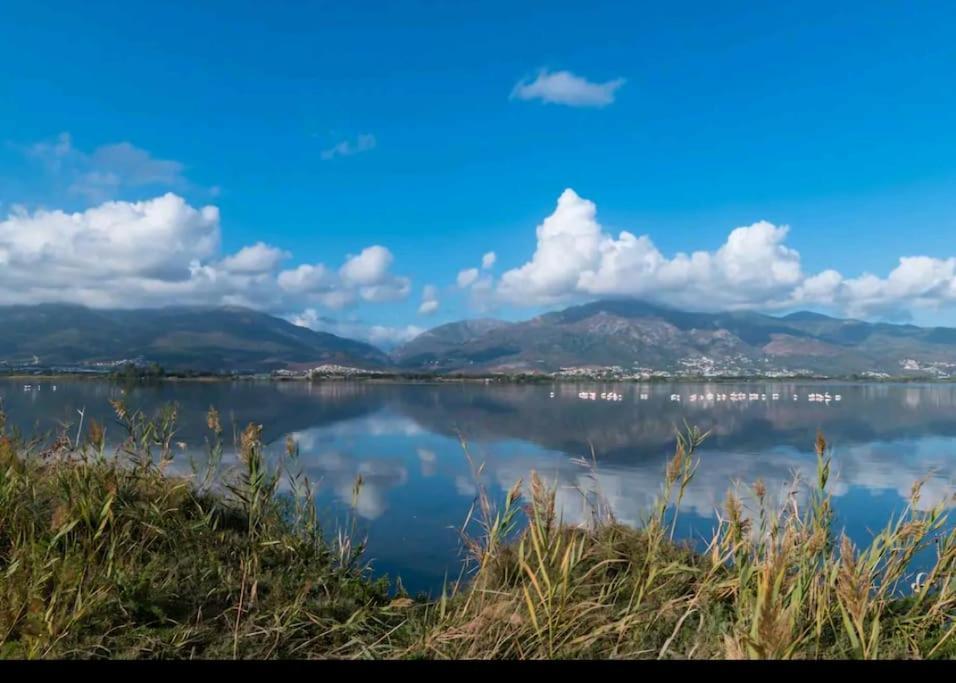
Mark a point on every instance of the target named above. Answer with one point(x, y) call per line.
point(462, 379)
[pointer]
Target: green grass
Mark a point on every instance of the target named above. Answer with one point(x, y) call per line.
point(108, 554)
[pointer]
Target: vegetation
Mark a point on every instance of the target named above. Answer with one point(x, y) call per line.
point(111, 554)
point(129, 372)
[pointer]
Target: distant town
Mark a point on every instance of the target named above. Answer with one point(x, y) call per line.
point(688, 369)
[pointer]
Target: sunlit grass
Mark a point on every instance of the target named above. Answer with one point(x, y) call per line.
point(109, 554)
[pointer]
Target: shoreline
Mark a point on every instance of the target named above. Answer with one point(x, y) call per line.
point(477, 379)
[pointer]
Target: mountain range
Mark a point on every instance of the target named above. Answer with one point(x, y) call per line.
point(625, 337)
point(641, 338)
point(215, 339)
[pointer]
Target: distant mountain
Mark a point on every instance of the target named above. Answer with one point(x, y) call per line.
point(633, 336)
point(638, 335)
point(442, 343)
point(182, 338)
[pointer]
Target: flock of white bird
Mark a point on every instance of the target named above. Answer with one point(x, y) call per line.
point(593, 396)
point(734, 397)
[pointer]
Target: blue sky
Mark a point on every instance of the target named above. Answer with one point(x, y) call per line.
point(322, 129)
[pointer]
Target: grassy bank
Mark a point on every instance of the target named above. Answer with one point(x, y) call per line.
point(108, 554)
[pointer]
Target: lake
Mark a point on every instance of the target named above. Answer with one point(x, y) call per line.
point(403, 439)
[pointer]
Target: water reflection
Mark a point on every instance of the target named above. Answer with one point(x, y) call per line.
point(403, 440)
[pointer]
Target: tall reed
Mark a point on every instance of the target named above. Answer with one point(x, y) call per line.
point(125, 553)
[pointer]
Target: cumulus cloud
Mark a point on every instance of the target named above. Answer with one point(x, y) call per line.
point(480, 284)
point(347, 148)
point(108, 170)
point(368, 267)
point(164, 251)
point(368, 273)
point(365, 277)
point(428, 307)
point(107, 255)
point(259, 258)
point(383, 336)
point(754, 268)
point(467, 277)
point(388, 337)
point(307, 278)
point(918, 281)
point(429, 300)
point(563, 87)
point(568, 244)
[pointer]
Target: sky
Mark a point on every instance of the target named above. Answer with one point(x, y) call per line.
point(376, 169)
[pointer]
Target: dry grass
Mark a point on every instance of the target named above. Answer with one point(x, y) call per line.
point(107, 555)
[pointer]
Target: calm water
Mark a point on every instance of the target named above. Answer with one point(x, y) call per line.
point(418, 486)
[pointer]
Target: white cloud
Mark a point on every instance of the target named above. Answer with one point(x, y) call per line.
point(307, 278)
point(112, 254)
point(164, 251)
point(428, 307)
point(393, 289)
point(388, 337)
point(563, 87)
point(382, 336)
point(316, 283)
point(108, 170)
point(483, 284)
point(259, 258)
point(820, 288)
point(369, 274)
point(467, 277)
point(347, 148)
point(568, 244)
point(576, 258)
point(363, 277)
point(480, 284)
point(429, 300)
point(918, 281)
point(369, 267)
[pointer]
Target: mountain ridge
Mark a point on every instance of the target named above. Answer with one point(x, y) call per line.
point(638, 337)
point(630, 338)
point(204, 338)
